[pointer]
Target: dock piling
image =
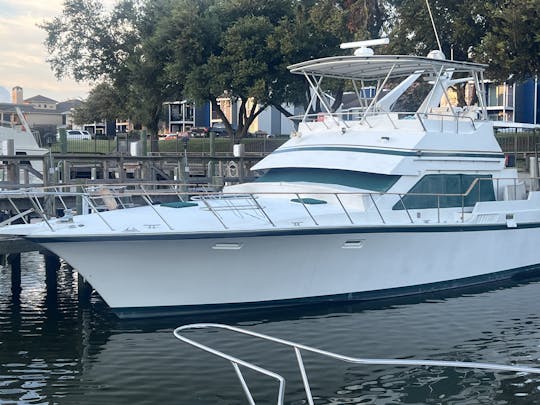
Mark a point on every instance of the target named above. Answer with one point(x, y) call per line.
point(14, 260)
point(52, 264)
point(84, 289)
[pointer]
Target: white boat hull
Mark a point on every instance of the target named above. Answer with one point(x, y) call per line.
point(167, 274)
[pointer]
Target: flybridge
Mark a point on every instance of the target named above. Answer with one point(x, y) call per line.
point(365, 69)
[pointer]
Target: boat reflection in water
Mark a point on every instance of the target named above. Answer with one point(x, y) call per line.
point(55, 349)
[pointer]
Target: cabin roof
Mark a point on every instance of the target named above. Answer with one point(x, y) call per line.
point(376, 67)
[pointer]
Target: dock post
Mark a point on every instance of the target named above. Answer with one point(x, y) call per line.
point(26, 176)
point(84, 289)
point(66, 175)
point(12, 167)
point(52, 264)
point(533, 172)
point(121, 171)
point(105, 170)
point(241, 169)
point(63, 141)
point(14, 260)
point(212, 163)
point(144, 139)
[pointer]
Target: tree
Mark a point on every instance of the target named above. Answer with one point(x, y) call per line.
point(317, 30)
point(511, 47)
point(502, 33)
point(220, 50)
point(102, 104)
point(87, 43)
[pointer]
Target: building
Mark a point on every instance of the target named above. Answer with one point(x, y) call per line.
point(516, 102)
point(40, 102)
point(185, 115)
point(43, 114)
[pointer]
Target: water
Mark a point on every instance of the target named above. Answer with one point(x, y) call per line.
point(55, 350)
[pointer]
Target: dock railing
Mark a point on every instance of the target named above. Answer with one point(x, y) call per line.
point(298, 349)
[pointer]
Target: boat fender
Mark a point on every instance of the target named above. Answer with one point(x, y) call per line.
point(232, 169)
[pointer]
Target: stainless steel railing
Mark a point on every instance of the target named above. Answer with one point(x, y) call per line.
point(300, 348)
point(97, 199)
point(346, 117)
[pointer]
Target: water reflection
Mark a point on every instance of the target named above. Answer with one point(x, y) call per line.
point(56, 349)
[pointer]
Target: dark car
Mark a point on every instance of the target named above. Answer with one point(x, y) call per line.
point(219, 129)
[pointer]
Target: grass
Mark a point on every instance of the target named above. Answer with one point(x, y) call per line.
point(194, 145)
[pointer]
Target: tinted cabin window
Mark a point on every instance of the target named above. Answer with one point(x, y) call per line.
point(447, 184)
point(361, 180)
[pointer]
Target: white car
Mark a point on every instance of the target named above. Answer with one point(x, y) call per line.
point(72, 134)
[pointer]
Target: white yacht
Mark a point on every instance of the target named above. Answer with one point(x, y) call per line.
point(24, 140)
point(361, 204)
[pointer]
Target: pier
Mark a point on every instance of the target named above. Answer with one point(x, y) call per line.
point(11, 249)
point(25, 170)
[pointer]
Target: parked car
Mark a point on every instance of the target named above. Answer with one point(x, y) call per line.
point(178, 135)
point(198, 132)
point(219, 129)
point(76, 134)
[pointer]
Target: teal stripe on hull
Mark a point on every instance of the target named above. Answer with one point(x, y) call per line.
point(392, 152)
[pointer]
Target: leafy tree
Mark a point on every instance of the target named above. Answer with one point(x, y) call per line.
point(102, 104)
point(511, 46)
point(220, 49)
point(316, 30)
point(87, 43)
point(502, 33)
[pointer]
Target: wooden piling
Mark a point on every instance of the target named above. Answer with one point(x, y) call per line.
point(84, 289)
point(14, 260)
point(52, 264)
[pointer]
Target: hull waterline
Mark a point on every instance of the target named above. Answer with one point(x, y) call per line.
point(166, 275)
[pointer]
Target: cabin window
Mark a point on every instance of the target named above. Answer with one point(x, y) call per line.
point(365, 181)
point(458, 184)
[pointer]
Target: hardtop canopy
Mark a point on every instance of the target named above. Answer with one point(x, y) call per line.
point(378, 67)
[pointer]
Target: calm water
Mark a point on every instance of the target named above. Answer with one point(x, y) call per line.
point(54, 350)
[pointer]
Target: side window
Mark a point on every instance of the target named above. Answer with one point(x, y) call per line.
point(421, 195)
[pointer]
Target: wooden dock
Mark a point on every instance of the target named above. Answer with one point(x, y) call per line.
point(50, 170)
point(15, 245)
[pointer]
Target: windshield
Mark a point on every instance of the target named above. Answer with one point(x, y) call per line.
point(361, 180)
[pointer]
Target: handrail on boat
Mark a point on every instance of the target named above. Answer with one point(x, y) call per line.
point(298, 348)
point(216, 202)
point(342, 117)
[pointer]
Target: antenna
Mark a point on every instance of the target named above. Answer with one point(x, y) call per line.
point(362, 46)
point(433, 23)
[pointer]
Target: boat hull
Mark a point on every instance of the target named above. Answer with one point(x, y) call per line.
point(146, 275)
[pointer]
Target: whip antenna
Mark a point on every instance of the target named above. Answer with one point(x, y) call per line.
point(434, 28)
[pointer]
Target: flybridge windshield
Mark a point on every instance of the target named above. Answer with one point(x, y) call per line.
point(359, 180)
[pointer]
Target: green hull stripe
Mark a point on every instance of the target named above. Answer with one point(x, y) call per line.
point(393, 152)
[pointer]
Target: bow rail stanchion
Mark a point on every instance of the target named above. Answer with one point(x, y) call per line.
point(298, 348)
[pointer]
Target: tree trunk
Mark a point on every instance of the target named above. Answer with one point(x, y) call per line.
point(153, 127)
point(460, 93)
point(338, 100)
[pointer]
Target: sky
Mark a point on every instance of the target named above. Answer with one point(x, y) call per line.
point(23, 55)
